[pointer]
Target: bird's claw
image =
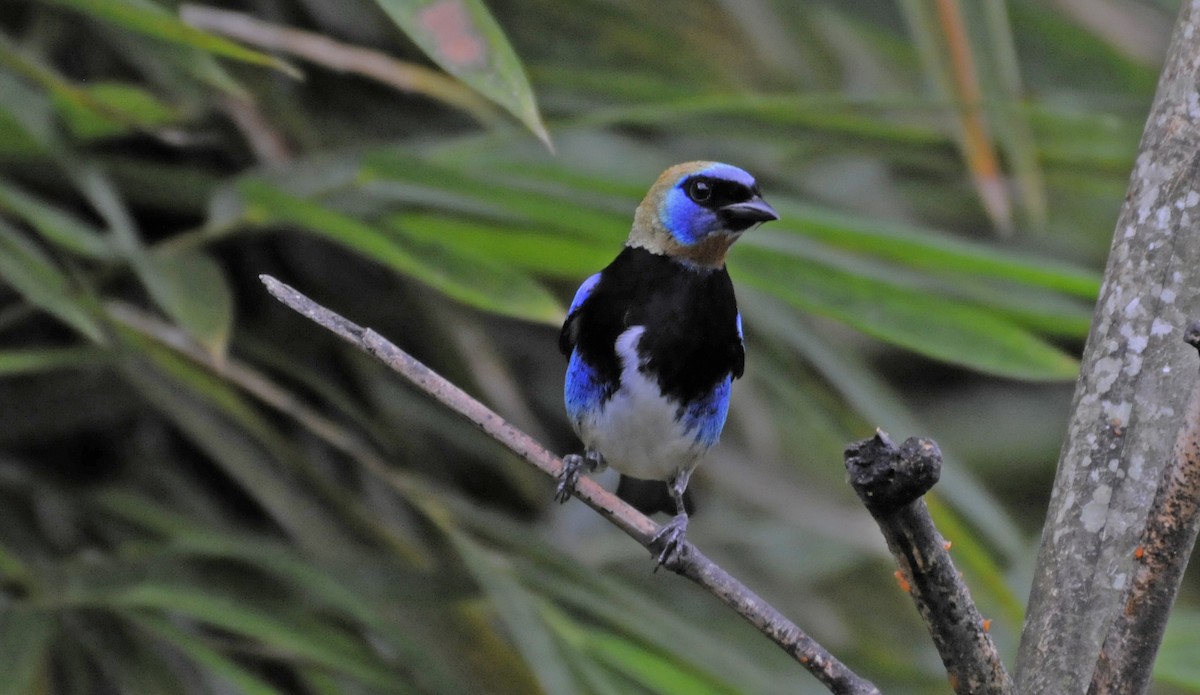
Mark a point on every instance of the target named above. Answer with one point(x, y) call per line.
point(569, 477)
point(671, 543)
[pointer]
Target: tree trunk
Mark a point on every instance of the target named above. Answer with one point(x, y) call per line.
point(1129, 401)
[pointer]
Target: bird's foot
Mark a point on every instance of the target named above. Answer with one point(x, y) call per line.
point(671, 543)
point(569, 477)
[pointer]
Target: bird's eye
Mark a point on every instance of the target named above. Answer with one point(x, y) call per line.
point(700, 190)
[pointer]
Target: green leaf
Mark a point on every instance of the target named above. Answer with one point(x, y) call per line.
point(25, 637)
point(544, 252)
point(932, 325)
point(26, 119)
point(192, 289)
point(866, 392)
point(468, 277)
point(47, 359)
point(625, 607)
point(113, 108)
point(505, 196)
point(189, 286)
point(927, 250)
point(518, 610)
point(200, 652)
point(31, 273)
point(658, 673)
point(147, 18)
point(463, 38)
point(219, 421)
point(291, 632)
point(56, 225)
point(1026, 305)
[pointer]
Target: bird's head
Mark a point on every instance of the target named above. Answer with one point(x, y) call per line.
point(695, 211)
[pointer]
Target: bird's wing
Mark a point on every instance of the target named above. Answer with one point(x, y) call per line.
point(739, 358)
point(570, 331)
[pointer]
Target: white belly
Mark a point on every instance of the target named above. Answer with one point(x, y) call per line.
point(637, 431)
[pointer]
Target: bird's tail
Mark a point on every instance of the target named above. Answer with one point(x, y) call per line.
point(651, 496)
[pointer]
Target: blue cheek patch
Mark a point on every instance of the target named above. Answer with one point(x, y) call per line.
point(684, 219)
point(584, 391)
point(705, 418)
point(584, 291)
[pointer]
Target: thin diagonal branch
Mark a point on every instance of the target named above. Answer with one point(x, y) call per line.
point(890, 481)
point(695, 566)
point(1127, 658)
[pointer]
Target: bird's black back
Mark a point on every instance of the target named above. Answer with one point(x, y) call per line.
point(691, 340)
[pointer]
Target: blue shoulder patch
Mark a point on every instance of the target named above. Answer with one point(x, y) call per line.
point(584, 291)
point(705, 418)
point(739, 327)
point(584, 391)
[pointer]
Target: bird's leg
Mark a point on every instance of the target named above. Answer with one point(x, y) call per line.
point(572, 464)
point(671, 540)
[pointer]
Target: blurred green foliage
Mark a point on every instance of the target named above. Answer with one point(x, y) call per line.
point(202, 493)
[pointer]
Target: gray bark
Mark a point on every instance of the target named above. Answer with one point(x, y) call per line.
point(1129, 401)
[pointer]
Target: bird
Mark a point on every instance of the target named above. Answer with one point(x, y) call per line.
point(654, 340)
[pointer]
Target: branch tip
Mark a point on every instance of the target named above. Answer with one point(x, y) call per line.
point(886, 477)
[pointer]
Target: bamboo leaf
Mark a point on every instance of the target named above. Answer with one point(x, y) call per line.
point(144, 17)
point(927, 250)
point(464, 38)
point(189, 286)
point(192, 289)
point(519, 611)
point(468, 277)
point(26, 124)
point(653, 671)
point(30, 272)
point(48, 359)
point(926, 323)
point(287, 631)
point(113, 108)
point(237, 438)
point(548, 254)
point(56, 225)
point(202, 654)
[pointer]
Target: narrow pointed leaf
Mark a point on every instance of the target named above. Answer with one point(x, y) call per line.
point(927, 250)
point(47, 359)
point(150, 19)
point(517, 608)
point(54, 224)
point(30, 272)
point(192, 289)
point(926, 323)
point(291, 632)
point(205, 656)
point(113, 108)
point(464, 38)
point(468, 277)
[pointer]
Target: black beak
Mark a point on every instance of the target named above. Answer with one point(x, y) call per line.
point(740, 216)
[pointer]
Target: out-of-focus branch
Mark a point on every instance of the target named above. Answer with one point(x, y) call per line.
point(695, 565)
point(1127, 658)
point(1135, 378)
point(890, 481)
point(342, 57)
